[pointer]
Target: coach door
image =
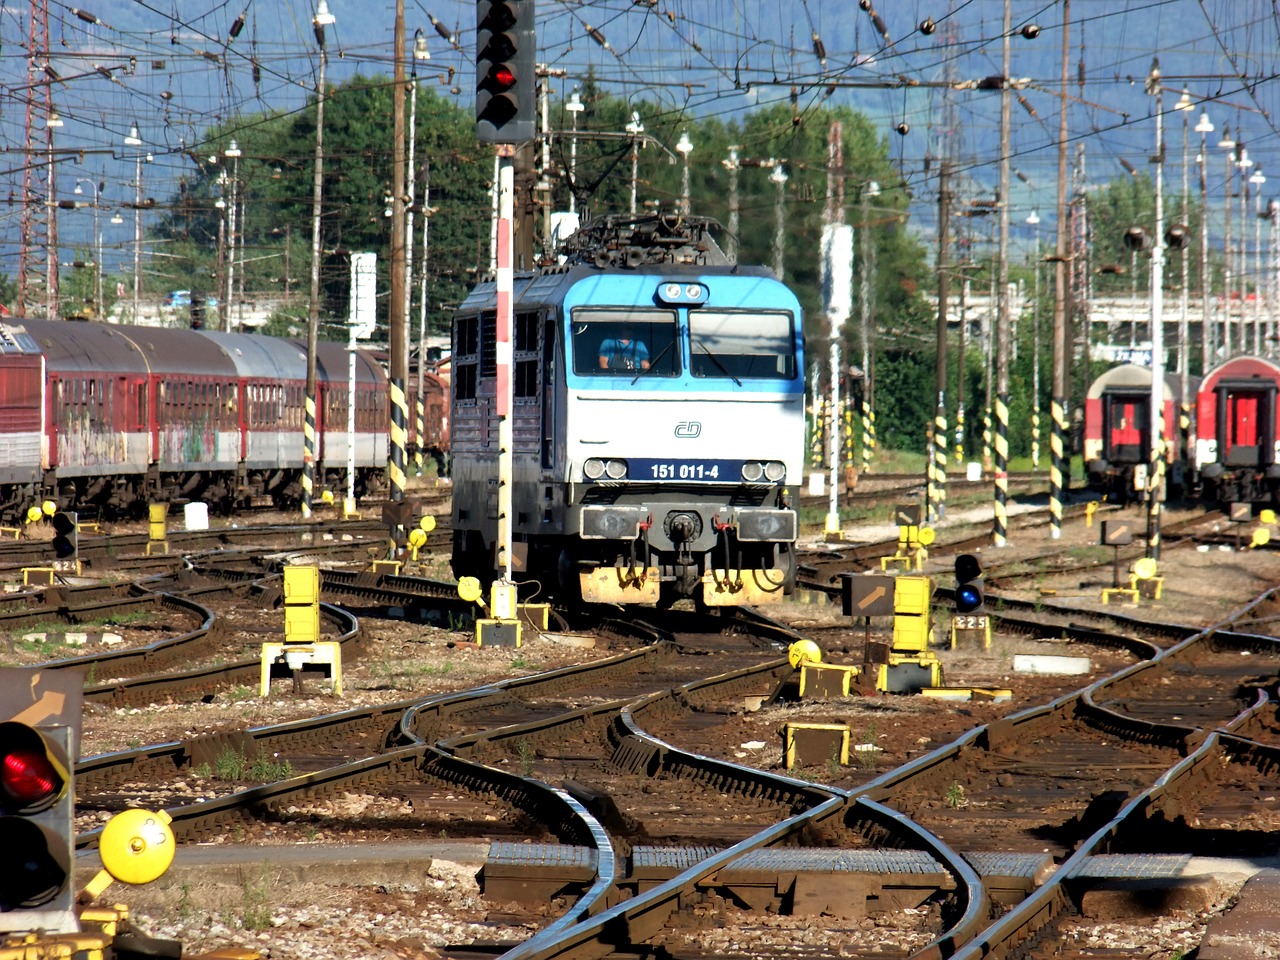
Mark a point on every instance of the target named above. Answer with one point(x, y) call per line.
point(1246, 424)
point(1127, 432)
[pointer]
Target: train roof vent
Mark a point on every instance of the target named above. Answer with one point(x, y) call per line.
point(17, 341)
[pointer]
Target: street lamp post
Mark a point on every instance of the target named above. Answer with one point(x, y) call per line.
point(133, 140)
point(779, 179)
point(1156, 479)
point(97, 245)
point(321, 20)
point(634, 129)
point(1207, 338)
point(1257, 179)
point(684, 148)
point(575, 106)
point(1245, 163)
point(233, 152)
point(1184, 106)
point(420, 53)
point(52, 122)
point(1034, 220)
point(1229, 145)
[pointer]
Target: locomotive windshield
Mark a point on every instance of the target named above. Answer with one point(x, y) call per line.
point(618, 340)
point(742, 345)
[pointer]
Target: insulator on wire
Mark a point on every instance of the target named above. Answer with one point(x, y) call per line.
point(819, 50)
point(85, 15)
point(238, 24)
point(598, 37)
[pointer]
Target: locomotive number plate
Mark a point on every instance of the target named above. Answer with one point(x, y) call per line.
point(695, 470)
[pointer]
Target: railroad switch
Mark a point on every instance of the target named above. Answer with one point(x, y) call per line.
point(302, 650)
point(502, 627)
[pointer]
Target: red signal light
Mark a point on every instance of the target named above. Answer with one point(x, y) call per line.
point(27, 778)
point(503, 77)
point(30, 780)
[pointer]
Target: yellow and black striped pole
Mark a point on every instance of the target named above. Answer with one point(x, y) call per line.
point(308, 453)
point(399, 439)
point(1057, 464)
point(1035, 436)
point(1000, 532)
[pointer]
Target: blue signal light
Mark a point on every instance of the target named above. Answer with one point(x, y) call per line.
point(968, 599)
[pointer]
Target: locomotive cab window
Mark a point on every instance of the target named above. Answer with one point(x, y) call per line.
point(742, 345)
point(619, 341)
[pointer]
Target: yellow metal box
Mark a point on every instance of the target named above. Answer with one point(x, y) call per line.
point(911, 634)
point(808, 744)
point(912, 595)
point(302, 623)
point(826, 679)
point(302, 584)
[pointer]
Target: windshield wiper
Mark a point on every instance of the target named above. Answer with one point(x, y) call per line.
point(652, 363)
point(716, 361)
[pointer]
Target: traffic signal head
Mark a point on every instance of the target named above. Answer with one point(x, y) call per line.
point(64, 542)
point(35, 823)
point(969, 597)
point(39, 734)
point(505, 71)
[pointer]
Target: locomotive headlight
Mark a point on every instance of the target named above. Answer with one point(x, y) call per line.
point(752, 471)
point(615, 469)
point(774, 471)
point(593, 469)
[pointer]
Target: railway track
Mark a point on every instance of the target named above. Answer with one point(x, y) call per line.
point(622, 762)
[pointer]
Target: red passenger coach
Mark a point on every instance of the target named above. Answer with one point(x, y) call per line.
point(1238, 437)
point(1117, 431)
point(119, 416)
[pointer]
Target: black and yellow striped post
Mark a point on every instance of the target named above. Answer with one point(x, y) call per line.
point(1057, 464)
point(399, 439)
point(850, 465)
point(1000, 531)
point(1035, 436)
point(308, 453)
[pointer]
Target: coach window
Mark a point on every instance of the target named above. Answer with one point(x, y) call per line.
point(742, 345)
point(620, 341)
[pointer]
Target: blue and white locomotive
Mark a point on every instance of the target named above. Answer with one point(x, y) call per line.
point(658, 422)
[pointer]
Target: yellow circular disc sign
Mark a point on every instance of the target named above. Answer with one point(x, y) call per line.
point(1261, 537)
point(804, 651)
point(49, 508)
point(137, 846)
point(1267, 516)
point(427, 523)
point(417, 538)
point(927, 536)
point(1145, 568)
point(34, 514)
point(469, 589)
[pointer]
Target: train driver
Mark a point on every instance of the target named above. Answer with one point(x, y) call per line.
point(623, 353)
